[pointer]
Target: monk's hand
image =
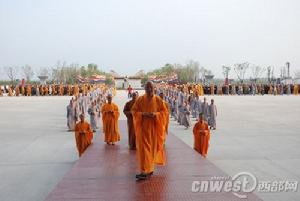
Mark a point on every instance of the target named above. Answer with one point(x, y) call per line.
point(146, 114)
point(82, 133)
point(152, 114)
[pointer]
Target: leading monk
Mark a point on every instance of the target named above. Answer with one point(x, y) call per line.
point(149, 114)
point(83, 135)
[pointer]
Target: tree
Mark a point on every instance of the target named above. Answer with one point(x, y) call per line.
point(226, 70)
point(11, 73)
point(297, 74)
point(92, 69)
point(28, 72)
point(240, 70)
point(44, 72)
point(256, 72)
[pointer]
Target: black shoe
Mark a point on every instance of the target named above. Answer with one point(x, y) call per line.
point(141, 176)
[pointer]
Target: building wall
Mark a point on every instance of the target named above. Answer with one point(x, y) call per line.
point(119, 83)
point(135, 83)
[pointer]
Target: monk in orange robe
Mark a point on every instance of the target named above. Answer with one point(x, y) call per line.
point(83, 135)
point(296, 89)
point(212, 89)
point(76, 90)
point(46, 90)
point(69, 90)
point(28, 90)
point(61, 89)
point(17, 90)
point(201, 136)
point(53, 87)
point(130, 125)
point(23, 90)
point(10, 91)
point(110, 117)
point(149, 114)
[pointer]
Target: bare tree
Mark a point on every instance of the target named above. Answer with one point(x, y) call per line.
point(240, 70)
point(202, 72)
point(297, 74)
point(11, 73)
point(28, 72)
point(44, 72)
point(226, 70)
point(256, 72)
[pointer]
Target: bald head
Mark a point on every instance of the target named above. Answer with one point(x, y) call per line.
point(109, 98)
point(149, 88)
point(134, 95)
point(81, 116)
point(161, 95)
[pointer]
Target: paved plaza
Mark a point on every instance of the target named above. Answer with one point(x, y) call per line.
point(257, 134)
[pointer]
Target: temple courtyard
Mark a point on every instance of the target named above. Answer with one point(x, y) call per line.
point(255, 134)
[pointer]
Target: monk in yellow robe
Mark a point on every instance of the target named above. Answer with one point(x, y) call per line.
point(28, 90)
point(149, 114)
point(110, 117)
point(61, 89)
point(296, 89)
point(23, 90)
point(83, 135)
point(201, 136)
point(130, 125)
point(76, 90)
point(212, 89)
point(69, 90)
point(46, 90)
point(17, 90)
point(10, 91)
point(53, 87)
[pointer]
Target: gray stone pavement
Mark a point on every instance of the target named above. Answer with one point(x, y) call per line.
point(256, 134)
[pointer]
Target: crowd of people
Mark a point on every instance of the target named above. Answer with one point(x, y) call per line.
point(147, 117)
point(147, 122)
point(46, 89)
point(207, 89)
point(185, 103)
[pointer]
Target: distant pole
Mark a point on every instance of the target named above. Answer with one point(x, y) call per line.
point(288, 69)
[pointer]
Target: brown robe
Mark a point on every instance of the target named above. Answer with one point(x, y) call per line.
point(130, 126)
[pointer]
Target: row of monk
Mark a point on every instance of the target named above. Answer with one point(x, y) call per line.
point(148, 118)
point(236, 89)
point(48, 89)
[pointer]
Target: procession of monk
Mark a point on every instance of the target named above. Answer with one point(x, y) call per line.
point(148, 115)
point(148, 119)
point(59, 89)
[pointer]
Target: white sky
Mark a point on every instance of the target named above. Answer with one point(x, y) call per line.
point(128, 35)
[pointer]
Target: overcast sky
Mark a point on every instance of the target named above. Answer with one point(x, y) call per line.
point(128, 35)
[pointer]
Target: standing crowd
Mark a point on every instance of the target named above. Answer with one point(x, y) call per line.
point(147, 122)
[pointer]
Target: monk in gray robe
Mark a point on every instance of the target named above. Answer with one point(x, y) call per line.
point(204, 110)
point(71, 116)
point(212, 115)
point(92, 112)
point(185, 115)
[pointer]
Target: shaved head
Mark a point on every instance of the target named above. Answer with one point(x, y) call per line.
point(149, 88)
